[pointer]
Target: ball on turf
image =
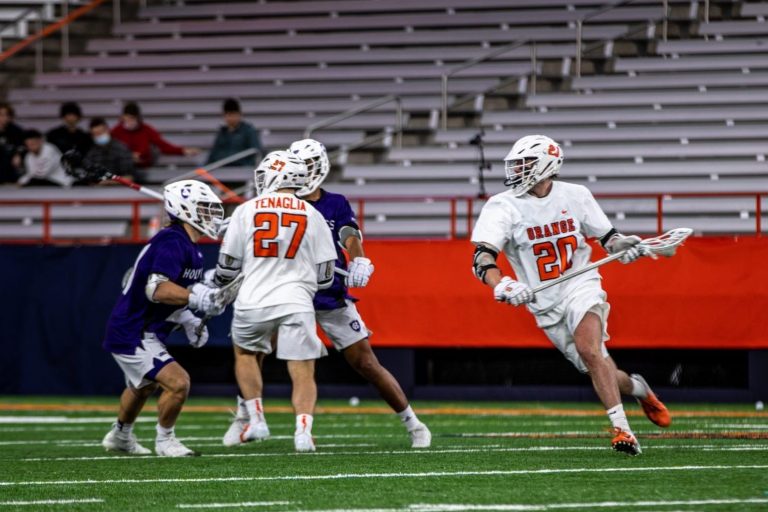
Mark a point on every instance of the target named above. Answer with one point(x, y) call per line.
point(354, 401)
point(759, 405)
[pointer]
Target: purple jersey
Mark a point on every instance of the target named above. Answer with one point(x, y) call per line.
point(337, 213)
point(171, 253)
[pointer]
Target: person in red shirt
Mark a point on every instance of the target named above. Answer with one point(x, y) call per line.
point(141, 138)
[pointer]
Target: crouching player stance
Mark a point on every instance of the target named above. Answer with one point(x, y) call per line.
point(284, 249)
point(335, 310)
point(542, 226)
point(158, 294)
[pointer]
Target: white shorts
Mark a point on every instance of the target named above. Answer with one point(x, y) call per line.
point(297, 338)
point(560, 323)
point(343, 326)
point(141, 368)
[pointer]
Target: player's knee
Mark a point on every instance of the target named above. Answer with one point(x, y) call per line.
point(179, 384)
point(590, 353)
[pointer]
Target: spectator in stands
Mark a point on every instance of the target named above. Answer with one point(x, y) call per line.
point(11, 143)
point(143, 140)
point(42, 162)
point(235, 136)
point(108, 152)
point(69, 135)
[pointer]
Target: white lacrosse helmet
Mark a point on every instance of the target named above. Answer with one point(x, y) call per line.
point(194, 203)
point(531, 160)
point(280, 169)
point(316, 158)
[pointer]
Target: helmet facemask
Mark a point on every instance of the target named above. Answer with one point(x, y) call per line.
point(194, 203)
point(316, 159)
point(531, 160)
point(210, 216)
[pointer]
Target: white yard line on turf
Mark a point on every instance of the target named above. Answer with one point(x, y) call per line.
point(444, 450)
point(354, 476)
point(31, 420)
point(234, 505)
point(18, 503)
point(520, 507)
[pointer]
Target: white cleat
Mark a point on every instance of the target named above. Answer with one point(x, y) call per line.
point(115, 442)
point(254, 432)
point(421, 437)
point(232, 435)
point(303, 442)
point(172, 447)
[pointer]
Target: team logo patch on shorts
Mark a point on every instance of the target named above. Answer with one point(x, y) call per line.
point(355, 325)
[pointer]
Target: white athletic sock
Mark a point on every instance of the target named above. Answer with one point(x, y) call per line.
point(619, 418)
point(409, 419)
point(255, 410)
point(242, 410)
point(124, 428)
point(304, 423)
point(638, 388)
point(163, 432)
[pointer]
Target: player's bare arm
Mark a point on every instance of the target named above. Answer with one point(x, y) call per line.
point(360, 267)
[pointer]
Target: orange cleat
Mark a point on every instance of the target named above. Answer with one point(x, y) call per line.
point(625, 442)
point(656, 411)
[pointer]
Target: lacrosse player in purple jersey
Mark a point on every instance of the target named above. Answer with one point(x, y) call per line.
point(159, 293)
point(335, 309)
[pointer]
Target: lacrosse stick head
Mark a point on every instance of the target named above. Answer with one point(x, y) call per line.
point(72, 162)
point(665, 244)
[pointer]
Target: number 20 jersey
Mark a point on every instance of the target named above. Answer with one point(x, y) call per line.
point(544, 237)
point(280, 240)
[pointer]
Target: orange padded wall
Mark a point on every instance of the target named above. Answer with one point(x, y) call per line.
point(712, 294)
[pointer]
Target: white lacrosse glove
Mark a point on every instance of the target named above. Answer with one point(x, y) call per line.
point(197, 334)
point(204, 299)
point(208, 276)
point(222, 229)
point(360, 270)
point(619, 242)
point(512, 292)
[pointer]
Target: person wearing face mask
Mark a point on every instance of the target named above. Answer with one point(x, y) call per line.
point(108, 152)
point(143, 140)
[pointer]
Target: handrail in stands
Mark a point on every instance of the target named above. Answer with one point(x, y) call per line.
point(453, 202)
point(343, 116)
point(507, 48)
point(64, 22)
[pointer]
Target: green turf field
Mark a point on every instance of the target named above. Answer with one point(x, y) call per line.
point(485, 456)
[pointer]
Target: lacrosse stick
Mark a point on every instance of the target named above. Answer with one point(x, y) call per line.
point(662, 245)
point(72, 161)
point(225, 295)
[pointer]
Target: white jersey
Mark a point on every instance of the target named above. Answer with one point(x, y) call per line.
point(280, 240)
point(544, 237)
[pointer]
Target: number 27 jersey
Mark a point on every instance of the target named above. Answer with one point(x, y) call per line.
point(544, 237)
point(280, 239)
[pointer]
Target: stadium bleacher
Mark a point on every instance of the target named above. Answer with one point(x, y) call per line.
point(682, 115)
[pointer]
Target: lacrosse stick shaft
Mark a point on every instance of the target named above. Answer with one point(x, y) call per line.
point(139, 188)
point(229, 193)
point(571, 275)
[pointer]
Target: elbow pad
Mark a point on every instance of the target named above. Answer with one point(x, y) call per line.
point(349, 231)
point(484, 260)
point(325, 274)
point(227, 269)
point(153, 281)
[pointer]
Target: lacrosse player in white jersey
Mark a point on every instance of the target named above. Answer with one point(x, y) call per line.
point(542, 226)
point(284, 249)
point(335, 308)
